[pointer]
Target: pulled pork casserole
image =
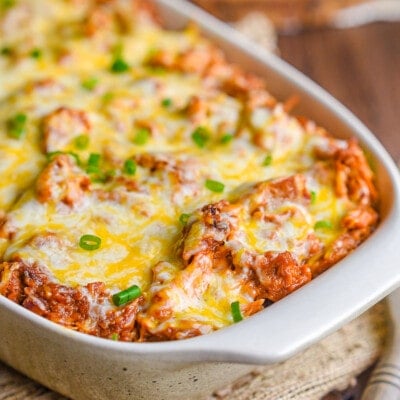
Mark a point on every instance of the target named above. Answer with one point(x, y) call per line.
point(150, 189)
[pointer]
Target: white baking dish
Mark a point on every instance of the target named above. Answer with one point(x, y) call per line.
point(84, 367)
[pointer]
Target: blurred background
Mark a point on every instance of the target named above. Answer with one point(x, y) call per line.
point(350, 47)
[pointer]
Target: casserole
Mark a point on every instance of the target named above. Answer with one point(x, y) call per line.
point(220, 346)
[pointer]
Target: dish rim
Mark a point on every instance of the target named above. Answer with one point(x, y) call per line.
point(240, 343)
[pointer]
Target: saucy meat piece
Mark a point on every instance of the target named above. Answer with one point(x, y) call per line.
point(354, 176)
point(63, 125)
point(359, 224)
point(279, 274)
point(105, 17)
point(214, 245)
point(62, 180)
point(84, 308)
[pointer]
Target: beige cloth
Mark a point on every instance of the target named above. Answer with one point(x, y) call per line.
point(331, 364)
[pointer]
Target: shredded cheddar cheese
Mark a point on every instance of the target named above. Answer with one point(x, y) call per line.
point(195, 184)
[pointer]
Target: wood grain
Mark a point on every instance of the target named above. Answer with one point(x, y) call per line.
point(287, 15)
point(360, 67)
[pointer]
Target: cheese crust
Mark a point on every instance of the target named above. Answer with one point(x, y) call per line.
point(198, 186)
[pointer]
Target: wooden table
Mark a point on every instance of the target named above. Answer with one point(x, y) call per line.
point(360, 67)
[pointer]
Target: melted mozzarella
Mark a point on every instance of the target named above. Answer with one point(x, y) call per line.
point(140, 227)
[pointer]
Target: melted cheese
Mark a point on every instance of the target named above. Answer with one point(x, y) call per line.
point(141, 229)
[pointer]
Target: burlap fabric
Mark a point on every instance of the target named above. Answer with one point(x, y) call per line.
point(331, 364)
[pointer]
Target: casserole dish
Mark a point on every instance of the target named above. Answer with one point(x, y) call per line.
point(84, 367)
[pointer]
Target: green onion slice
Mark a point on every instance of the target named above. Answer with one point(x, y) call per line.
point(130, 167)
point(93, 166)
point(7, 3)
point(201, 136)
point(183, 218)
point(236, 313)
point(142, 136)
point(313, 197)
point(323, 224)
point(126, 295)
point(166, 102)
point(267, 161)
point(227, 138)
point(90, 83)
point(215, 186)
point(90, 242)
point(119, 66)
point(111, 173)
point(6, 51)
point(94, 160)
point(107, 97)
point(115, 336)
point(36, 53)
point(102, 177)
point(17, 125)
point(82, 142)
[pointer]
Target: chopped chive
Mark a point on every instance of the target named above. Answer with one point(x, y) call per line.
point(6, 51)
point(236, 313)
point(119, 66)
point(115, 336)
point(126, 295)
point(90, 83)
point(323, 224)
point(94, 159)
point(313, 197)
point(184, 218)
point(16, 126)
point(166, 102)
point(267, 161)
point(201, 136)
point(157, 70)
point(7, 3)
point(107, 97)
point(142, 136)
point(52, 154)
point(130, 167)
point(110, 173)
point(82, 142)
point(94, 170)
point(101, 178)
point(36, 53)
point(227, 138)
point(93, 165)
point(215, 186)
point(90, 242)
point(118, 50)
